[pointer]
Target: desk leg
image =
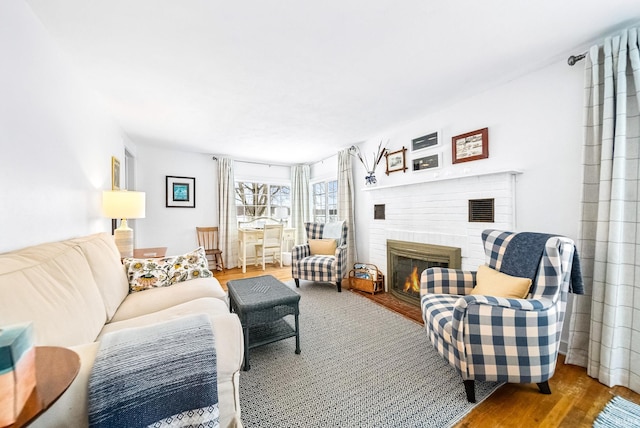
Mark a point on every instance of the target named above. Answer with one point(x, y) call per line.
point(244, 257)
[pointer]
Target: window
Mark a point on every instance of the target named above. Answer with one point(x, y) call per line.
point(325, 201)
point(260, 199)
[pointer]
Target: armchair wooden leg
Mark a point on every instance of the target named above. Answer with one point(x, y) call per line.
point(339, 284)
point(544, 387)
point(297, 282)
point(469, 387)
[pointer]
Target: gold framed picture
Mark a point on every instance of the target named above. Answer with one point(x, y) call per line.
point(115, 173)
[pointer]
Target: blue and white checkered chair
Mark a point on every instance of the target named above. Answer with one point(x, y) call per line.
point(501, 339)
point(318, 267)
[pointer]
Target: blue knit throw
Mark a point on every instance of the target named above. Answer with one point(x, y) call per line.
point(158, 374)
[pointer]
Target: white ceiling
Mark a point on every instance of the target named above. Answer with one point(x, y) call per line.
point(296, 81)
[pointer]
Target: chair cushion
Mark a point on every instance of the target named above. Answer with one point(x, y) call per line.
point(325, 246)
point(490, 282)
point(437, 313)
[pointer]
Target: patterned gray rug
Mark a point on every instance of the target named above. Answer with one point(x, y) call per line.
point(361, 366)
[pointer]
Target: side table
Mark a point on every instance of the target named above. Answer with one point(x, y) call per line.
point(56, 368)
point(261, 303)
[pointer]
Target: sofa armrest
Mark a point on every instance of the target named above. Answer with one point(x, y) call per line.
point(447, 281)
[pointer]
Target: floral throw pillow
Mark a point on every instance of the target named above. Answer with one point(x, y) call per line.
point(144, 274)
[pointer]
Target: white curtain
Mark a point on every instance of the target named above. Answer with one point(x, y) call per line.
point(300, 200)
point(346, 203)
point(227, 223)
point(605, 322)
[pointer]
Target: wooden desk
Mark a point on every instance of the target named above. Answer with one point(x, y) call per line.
point(56, 368)
point(248, 237)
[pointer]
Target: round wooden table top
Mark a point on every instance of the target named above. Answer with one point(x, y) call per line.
point(56, 368)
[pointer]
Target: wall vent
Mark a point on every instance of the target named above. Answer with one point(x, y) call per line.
point(379, 212)
point(481, 210)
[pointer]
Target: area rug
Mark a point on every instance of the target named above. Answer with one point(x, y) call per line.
point(361, 365)
point(618, 413)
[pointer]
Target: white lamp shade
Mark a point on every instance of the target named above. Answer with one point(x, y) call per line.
point(123, 204)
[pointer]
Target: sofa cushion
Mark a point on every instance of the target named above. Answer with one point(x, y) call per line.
point(52, 286)
point(156, 299)
point(145, 274)
point(104, 259)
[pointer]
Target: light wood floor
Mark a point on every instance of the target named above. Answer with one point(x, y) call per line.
point(575, 401)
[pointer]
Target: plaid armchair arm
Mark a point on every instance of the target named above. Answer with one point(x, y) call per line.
point(446, 281)
point(341, 262)
point(299, 252)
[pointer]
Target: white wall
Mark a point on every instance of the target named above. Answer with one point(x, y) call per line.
point(175, 228)
point(56, 141)
point(535, 126)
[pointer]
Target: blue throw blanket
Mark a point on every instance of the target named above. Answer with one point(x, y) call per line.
point(524, 252)
point(163, 374)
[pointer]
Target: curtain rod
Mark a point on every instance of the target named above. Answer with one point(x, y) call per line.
point(573, 59)
point(215, 158)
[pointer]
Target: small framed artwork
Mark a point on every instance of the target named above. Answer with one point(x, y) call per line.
point(425, 142)
point(396, 161)
point(470, 146)
point(181, 192)
point(427, 162)
point(115, 173)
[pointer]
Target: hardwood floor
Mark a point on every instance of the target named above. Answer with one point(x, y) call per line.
point(575, 401)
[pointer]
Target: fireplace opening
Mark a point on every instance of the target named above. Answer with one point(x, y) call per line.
point(406, 261)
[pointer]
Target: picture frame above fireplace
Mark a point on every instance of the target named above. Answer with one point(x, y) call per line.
point(470, 146)
point(396, 161)
point(427, 141)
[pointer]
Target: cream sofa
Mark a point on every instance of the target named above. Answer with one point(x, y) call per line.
point(76, 291)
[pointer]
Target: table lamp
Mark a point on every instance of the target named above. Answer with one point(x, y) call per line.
point(123, 204)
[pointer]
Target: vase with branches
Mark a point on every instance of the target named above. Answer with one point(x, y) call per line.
point(370, 178)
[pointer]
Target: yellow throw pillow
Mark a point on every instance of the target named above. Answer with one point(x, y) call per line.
point(324, 247)
point(490, 282)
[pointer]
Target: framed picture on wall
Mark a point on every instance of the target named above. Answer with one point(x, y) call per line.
point(426, 162)
point(396, 161)
point(425, 142)
point(115, 173)
point(181, 192)
point(470, 146)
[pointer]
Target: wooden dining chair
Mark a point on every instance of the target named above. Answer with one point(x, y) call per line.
point(208, 239)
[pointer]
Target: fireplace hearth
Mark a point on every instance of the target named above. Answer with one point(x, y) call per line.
point(406, 261)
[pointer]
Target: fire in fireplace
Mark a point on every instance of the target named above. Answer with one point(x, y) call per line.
point(406, 261)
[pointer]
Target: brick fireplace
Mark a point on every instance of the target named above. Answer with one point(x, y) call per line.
point(407, 260)
point(435, 212)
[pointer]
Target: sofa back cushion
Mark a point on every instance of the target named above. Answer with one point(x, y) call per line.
point(108, 272)
point(52, 286)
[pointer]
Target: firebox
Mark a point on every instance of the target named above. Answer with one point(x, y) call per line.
point(406, 261)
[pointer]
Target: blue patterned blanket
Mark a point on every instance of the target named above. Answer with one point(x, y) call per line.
point(163, 375)
point(524, 252)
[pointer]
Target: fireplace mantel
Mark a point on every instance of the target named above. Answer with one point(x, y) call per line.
point(442, 177)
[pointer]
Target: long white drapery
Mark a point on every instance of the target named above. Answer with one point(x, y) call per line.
point(227, 219)
point(300, 200)
point(605, 322)
point(346, 203)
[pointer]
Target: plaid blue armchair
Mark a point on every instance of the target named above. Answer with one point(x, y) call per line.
point(490, 338)
point(319, 268)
